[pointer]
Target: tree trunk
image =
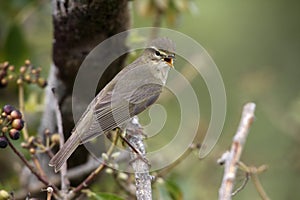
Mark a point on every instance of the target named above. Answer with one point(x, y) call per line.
point(79, 27)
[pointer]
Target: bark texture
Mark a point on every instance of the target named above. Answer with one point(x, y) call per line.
point(79, 27)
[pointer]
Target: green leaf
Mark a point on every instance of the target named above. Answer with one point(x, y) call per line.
point(173, 190)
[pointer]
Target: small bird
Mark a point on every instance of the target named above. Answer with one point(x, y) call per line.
point(130, 92)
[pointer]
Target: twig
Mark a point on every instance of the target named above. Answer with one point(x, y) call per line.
point(247, 177)
point(140, 167)
point(30, 167)
point(232, 158)
point(72, 174)
point(38, 166)
point(253, 173)
point(63, 172)
point(49, 193)
point(259, 187)
point(85, 183)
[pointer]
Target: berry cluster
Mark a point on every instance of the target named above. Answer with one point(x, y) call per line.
point(27, 73)
point(11, 123)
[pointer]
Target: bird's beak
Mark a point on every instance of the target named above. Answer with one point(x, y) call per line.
point(169, 59)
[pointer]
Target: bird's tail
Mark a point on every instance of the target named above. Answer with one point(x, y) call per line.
point(65, 152)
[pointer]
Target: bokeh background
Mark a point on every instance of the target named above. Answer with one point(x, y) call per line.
point(256, 46)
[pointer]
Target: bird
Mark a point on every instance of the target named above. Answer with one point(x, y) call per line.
point(135, 88)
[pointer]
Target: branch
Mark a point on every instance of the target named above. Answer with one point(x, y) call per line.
point(87, 181)
point(232, 157)
point(140, 167)
point(72, 174)
point(63, 172)
point(78, 27)
point(30, 167)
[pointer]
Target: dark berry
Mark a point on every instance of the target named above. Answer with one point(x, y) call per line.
point(14, 134)
point(3, 142)
point(16, 114)
point(17, 124)
point(8, 109)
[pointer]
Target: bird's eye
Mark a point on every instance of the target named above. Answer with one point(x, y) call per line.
point(157, 53)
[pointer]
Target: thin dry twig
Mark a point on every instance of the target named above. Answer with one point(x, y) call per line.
point(233, 156)
point(253, 173)
point(259, 187)
point(49, 192)
point(243, 185)
point(38, 165)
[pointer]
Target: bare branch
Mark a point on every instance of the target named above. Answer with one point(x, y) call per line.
point(72, 174)
point(63, 172)
point(140, 167)
point(30, 167)
point(233, 156)
point(88, 180)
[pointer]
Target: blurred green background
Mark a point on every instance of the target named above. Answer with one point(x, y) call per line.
point(256, 46)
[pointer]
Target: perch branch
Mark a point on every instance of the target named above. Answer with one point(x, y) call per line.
point(140, 167)
point(231, 158)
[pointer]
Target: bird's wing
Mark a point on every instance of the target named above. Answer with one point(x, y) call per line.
point(110, 112)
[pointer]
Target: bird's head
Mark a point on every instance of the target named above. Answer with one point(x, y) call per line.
point(161, 50)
